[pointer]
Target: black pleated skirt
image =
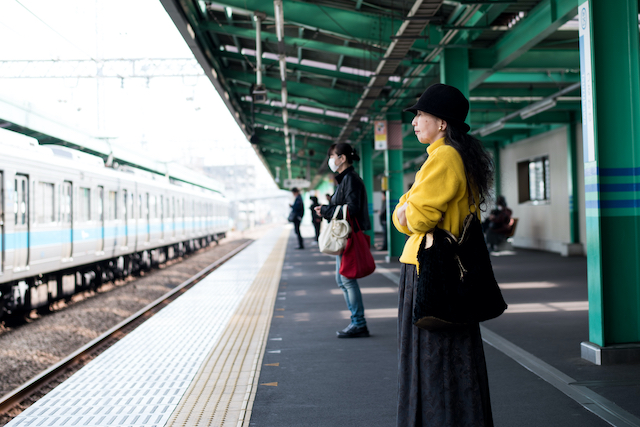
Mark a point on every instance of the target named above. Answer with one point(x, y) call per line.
point(442, 375)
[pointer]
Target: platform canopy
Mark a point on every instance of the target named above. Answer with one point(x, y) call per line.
point(299, 75)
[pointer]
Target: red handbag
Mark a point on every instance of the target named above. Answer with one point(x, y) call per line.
point(357, 261)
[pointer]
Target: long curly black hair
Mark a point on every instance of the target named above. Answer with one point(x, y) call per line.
point(478, 164)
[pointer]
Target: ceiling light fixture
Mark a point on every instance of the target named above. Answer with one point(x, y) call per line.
point(537, 107)
point(491, 128)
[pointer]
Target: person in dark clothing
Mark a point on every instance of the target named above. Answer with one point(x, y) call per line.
point(382, 216)
point(498, 224)
point(351, 192)
point(316, 219)
point(297, 212)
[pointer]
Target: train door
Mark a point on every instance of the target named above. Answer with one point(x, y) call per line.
point(66, 219)
point(21, 223)
point(100, 208)
point(1, 222)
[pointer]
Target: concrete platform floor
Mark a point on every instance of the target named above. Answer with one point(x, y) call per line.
point(537, 378)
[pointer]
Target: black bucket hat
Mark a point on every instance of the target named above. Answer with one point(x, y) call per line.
point(445, 102)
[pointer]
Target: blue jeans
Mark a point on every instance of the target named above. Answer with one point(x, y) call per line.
point(352, 296)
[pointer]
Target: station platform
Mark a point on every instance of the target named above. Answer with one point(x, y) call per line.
point(254, 344)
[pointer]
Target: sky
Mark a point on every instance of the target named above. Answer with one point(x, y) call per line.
point(170, 118)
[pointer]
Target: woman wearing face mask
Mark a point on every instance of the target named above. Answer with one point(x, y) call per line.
point(350, 192)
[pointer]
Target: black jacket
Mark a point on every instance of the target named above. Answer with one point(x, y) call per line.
point(297, 209)
point(350, 192)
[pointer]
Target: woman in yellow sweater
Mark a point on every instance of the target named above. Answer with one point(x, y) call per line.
point(442, 378)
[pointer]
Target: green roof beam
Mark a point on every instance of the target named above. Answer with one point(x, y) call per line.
point(541, 22)
point(535, 59)
point(515, 77)
point(368, 28)
point(296, 42)
point(315, 71)
point(340, 98)
point(317, 128)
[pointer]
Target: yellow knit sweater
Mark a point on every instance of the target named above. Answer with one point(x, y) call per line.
point(439, 196)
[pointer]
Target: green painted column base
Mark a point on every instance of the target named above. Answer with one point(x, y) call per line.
point(611, 355)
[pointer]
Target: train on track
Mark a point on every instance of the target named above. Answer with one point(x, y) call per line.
point(68, 223)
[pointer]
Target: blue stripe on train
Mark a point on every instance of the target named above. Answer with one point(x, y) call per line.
point(56, 237)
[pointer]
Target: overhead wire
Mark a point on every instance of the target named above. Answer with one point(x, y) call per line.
point(55, 31)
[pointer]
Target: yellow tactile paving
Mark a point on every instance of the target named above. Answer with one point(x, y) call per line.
point(223, 391)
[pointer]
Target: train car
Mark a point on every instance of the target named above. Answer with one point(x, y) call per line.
point(69, 223)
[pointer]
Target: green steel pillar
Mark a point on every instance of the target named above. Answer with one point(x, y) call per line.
point(572, 172)
point(495, 152)
point(609, 63)
point(366, 172)
point(395, 183)
point(454, 68)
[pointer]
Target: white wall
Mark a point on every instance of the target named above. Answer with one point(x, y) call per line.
point(544, 226)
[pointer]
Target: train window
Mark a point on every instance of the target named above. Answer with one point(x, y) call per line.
point(124, 204)
point(45, 203)
point(66, 203)
point(139, 206)
point(100, 203)
point(84, 204)
point(153, 213)
point(21, 199)
point(113, 205)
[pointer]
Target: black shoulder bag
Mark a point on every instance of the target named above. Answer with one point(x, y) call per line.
point(456, 284)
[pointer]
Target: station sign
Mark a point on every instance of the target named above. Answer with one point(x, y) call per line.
point(297, 182)
point(380, 137)
point(586, 78)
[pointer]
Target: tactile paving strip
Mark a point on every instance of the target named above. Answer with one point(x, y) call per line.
point(141, 379)
point(222, 393)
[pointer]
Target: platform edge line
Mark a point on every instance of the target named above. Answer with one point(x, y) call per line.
point(587, 398)
point(252, 386)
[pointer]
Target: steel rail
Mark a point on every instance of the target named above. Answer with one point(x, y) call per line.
point(16, 396)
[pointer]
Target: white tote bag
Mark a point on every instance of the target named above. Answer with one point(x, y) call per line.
point(333, 237)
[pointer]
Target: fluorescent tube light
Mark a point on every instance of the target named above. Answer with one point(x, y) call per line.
point(491, 128)
point(537, 107)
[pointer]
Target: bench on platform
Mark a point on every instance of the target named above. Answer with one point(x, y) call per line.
point(506, 244)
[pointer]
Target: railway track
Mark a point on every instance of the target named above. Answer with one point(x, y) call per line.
point(36, 387)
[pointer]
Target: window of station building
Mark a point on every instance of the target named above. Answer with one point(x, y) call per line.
point(84, 204)
point(45, 203)
point(534, 184)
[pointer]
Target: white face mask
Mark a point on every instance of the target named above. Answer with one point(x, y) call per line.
point(332, 164)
